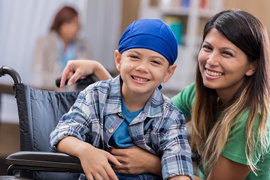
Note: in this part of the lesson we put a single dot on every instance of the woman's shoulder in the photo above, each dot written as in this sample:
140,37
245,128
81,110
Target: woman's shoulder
241,122
185,99
49,39
186,94
80,41
235,147
189,90
244,115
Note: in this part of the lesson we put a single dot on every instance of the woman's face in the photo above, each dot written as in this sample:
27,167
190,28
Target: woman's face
69,30
223,65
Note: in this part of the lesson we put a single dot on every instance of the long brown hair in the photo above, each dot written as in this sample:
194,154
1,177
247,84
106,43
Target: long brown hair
65,14
210,134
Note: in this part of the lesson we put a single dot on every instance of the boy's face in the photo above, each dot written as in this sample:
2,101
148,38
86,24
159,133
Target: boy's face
142,71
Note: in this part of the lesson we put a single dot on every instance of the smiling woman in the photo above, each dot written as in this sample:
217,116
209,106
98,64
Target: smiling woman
223,65
230,111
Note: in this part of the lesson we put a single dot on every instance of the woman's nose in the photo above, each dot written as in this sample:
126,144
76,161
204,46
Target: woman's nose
213,58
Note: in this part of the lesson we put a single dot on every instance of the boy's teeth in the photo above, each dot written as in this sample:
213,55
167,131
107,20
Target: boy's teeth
213,73
140,79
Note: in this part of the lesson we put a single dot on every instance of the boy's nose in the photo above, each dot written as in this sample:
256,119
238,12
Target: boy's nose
143,67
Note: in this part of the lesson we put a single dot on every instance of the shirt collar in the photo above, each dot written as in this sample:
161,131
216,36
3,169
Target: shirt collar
153,107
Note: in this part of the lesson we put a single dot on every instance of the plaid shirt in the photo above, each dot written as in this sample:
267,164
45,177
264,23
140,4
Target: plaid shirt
159,128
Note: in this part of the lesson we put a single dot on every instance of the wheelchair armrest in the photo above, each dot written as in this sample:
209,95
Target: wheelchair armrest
44,161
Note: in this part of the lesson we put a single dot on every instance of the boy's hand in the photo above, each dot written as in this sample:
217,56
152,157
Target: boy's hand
95,163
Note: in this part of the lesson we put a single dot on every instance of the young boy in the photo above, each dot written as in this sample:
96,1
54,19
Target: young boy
129,110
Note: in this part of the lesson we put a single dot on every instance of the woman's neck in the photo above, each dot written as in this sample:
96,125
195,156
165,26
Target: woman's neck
66,44
226,94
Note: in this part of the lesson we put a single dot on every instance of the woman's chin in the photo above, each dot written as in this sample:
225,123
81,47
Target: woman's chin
210,85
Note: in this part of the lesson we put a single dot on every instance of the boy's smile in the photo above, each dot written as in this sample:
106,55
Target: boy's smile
142,71
138,79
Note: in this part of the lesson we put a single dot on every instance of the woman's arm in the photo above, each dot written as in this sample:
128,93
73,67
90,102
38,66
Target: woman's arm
180,178
136,160
78,69
227,169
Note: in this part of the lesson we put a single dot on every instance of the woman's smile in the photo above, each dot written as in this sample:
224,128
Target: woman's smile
213,74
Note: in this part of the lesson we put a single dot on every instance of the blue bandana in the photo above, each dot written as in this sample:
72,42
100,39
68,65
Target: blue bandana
152,34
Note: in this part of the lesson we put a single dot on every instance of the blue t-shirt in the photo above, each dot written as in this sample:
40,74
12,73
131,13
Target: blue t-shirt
68,54
121,137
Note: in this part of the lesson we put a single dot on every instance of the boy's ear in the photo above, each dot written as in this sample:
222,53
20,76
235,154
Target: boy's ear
169,72
117,58
252,68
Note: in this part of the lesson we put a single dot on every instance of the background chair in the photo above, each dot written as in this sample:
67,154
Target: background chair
39,112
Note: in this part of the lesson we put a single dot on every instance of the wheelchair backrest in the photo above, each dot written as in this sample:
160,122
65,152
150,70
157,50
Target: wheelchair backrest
39,112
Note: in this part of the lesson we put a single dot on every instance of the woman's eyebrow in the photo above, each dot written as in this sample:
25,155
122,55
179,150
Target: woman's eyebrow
224,48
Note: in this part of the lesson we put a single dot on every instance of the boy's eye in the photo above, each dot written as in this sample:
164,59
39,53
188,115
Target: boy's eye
134,56
156,62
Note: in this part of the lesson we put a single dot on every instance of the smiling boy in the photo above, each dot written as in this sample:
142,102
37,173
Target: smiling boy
130,110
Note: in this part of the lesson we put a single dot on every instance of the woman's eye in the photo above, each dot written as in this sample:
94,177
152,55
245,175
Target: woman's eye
206,47
227,53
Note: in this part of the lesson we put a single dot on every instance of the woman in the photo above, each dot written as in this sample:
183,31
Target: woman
228,104
60,45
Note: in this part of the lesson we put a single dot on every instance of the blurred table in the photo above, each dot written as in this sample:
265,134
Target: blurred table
5,89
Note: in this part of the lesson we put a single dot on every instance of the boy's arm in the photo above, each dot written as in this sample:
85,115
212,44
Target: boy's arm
71,131
176,158
95,162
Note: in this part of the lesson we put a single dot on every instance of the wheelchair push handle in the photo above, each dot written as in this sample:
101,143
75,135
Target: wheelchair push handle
87,80
10,71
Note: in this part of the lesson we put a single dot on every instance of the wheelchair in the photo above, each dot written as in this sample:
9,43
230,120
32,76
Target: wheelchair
39,112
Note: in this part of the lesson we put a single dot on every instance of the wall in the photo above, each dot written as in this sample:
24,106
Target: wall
259,8
129,13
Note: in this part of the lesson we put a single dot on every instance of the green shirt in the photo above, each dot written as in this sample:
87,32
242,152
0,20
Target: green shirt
235,146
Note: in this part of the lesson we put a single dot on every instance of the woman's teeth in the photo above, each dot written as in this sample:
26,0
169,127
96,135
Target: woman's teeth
211,73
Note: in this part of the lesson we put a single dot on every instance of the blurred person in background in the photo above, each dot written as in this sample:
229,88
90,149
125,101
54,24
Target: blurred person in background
61,44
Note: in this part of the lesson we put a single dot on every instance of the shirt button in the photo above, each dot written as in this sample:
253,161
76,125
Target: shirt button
111,130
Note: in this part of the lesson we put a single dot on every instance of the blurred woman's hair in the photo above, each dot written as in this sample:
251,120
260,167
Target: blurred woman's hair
65,14
210,134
